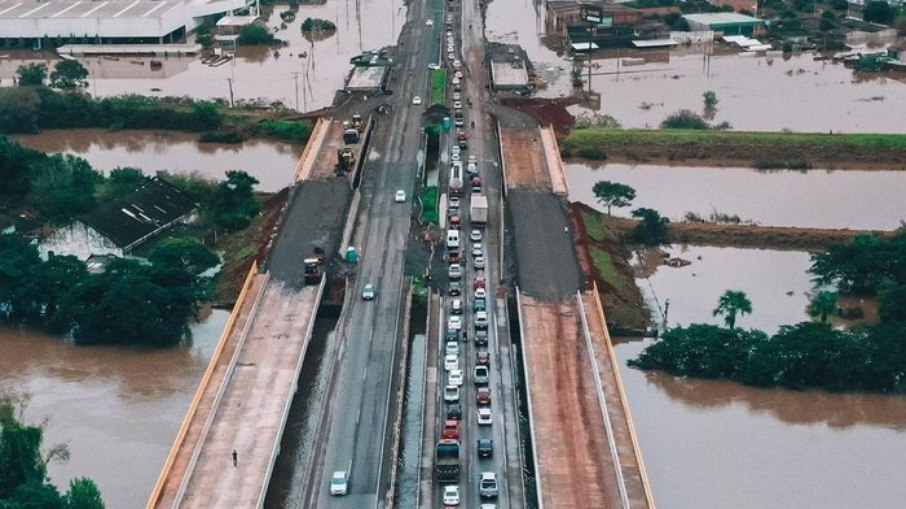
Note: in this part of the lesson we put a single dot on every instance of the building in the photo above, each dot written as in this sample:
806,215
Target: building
727,23
589,25
118,228
52,23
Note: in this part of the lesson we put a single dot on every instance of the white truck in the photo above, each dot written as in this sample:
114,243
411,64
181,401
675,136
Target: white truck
478,210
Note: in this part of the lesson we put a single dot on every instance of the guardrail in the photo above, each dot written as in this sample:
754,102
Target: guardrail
643,473
528,399
397,430
605,413
202,387
316,138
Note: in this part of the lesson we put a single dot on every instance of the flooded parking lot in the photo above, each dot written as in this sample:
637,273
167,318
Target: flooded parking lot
814,198
271,162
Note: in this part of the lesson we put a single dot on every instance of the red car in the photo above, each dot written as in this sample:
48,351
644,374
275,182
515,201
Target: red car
454,257
451,430
483,358
483,396
480,282
455,221
476,182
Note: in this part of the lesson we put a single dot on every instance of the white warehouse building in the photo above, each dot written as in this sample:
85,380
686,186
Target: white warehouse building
43,23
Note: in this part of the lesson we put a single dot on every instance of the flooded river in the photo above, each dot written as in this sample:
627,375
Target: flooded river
118,409
716,444
786,198
271,162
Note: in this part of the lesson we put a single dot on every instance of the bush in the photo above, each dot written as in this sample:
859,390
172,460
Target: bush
231,136
684,119
592,153
312,24
255,35
286,130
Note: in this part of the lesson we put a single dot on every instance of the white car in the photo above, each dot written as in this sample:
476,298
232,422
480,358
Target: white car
473,160
472,168
475,235
457,105
451,348
369,292
454,323
481,320
416,100
455,271
455,377
454,203
456,150
457,64
454,157
479,262
430,22
339,483
451,362
400,196
457,96
456,81
477,249
451,495
481,293
450,56
485,417
433,66
451,394
458,74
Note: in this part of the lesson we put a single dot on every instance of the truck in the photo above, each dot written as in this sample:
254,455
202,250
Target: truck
456,177
478,210
313,266
446,461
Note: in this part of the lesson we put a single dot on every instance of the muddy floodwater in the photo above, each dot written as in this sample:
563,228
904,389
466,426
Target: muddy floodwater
272,163
256,72
814,198
715,444
117,409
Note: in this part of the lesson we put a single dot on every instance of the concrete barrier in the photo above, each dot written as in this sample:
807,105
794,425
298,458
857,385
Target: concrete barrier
555,167
397,430
528,399
306,160
202,387
632,434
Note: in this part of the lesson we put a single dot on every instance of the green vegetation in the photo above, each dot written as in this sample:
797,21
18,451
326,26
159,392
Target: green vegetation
879,11
68,74
31,75
233,204
710,98
685,119
653,229
285,130
430,206
312,24
863,265
255,35
23,465
613,194
438,86
730,304
823,305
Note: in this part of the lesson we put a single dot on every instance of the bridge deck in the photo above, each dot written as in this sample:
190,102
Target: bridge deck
250,416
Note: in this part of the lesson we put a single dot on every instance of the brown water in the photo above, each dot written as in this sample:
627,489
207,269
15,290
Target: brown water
715,444
817,198
118,409
272,163
257,72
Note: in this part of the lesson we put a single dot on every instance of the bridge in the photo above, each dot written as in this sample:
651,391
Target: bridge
547,337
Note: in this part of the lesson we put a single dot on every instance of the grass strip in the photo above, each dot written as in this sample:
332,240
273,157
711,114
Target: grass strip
429,206
438,86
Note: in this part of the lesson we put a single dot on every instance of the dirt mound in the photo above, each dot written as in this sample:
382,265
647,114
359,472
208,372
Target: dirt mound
546,111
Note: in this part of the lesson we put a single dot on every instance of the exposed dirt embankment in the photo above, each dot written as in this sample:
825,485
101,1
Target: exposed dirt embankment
746,149
546,111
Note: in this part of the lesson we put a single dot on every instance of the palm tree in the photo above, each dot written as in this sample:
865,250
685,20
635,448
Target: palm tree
731,303
823,305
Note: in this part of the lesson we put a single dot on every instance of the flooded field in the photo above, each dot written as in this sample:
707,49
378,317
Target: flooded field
257,72
272,163
118,409
727,445
785,198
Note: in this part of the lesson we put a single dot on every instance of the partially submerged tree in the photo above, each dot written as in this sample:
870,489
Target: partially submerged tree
652,230
823,305
68,74
613,194
31,75
732,303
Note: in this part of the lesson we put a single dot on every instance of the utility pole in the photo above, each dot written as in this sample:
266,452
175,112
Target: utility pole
296,79
230,81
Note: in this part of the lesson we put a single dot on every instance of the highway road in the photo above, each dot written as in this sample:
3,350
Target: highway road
362,394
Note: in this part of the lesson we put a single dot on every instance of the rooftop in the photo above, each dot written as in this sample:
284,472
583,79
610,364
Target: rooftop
719,18
69,9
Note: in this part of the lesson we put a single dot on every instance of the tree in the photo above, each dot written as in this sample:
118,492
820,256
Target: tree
255,35
828,21
823,305
839,5
234,204
32,75
576,77
84,494
184,253
19,110
206,40
68,74
892,302
120,182
862,264
652,230
878,11
15,170
63,187
710,98
684,119
613,194
732,303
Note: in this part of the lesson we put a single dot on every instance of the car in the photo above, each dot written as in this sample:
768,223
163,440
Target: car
476,190
456,81
451,335
480,282
456,306
481,293
430,22
457,105
369,292
451,430
416,100
477,249
451,362
462,135
483,396
481,319
457,114
457,96
454,411
453,257
479,262
482,375
451,495
473,159
400,196
456,150
454,323
453,203
487,485
472,168
475,182
485,448
455,271
450,55
339,483
451,393
487,506
457,64
459,122
451,347
455,288
455,223
475,235
480,305
458,74
482,358
454,157
481,337
456,377
433,66
485,417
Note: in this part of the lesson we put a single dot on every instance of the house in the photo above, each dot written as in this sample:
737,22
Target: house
591,23
897,54
727,23
118,228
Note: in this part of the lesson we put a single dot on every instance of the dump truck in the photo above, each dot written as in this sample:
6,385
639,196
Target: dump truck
446,461
313,266
345,160
478,210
